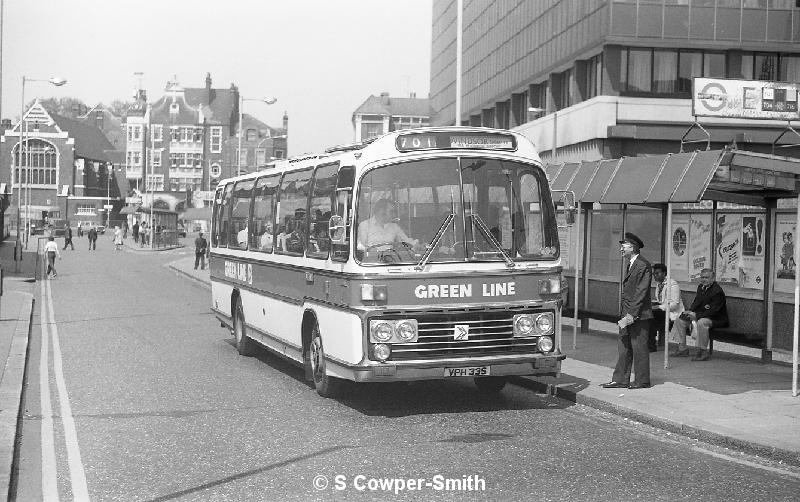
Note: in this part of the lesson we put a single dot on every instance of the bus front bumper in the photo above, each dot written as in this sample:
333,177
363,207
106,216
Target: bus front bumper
538,364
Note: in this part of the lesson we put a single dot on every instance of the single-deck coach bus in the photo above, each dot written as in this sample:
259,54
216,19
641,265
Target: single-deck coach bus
424,254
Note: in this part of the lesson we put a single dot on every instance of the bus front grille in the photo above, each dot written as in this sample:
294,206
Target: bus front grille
489,333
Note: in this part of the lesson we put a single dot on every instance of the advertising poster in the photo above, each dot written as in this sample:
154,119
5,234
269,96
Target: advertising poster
699,244
785,241
679,247
729,247
751,264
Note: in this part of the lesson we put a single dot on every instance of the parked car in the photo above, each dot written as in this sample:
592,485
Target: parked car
86,225
181,231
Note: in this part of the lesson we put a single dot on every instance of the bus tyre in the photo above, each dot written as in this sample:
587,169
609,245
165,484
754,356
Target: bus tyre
490,385
327,386
244,344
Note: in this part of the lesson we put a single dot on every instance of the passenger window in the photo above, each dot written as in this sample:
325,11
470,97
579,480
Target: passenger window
292,204
224,217
322,200
262,232
240,214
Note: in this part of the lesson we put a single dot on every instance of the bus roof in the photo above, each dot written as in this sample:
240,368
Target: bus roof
410,141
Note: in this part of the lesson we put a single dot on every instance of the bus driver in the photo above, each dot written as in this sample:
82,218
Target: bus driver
380,229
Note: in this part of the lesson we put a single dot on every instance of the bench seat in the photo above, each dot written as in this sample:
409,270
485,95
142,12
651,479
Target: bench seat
735,336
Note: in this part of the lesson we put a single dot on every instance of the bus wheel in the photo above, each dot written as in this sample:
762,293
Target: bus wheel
490,385
244,344
327,386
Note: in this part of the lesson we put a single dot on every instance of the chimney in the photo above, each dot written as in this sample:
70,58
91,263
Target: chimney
209,91
285,122
384,98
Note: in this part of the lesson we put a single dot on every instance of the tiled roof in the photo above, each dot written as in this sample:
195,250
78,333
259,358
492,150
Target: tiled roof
161,112
90,143
387,105
221,106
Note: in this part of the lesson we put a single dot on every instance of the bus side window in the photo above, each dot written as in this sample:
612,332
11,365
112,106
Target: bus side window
293,201
343,201
215,223
319,242
262,230
240,214
224,217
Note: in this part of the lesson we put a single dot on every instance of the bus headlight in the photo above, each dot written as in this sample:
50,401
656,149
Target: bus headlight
406,330
523,325
544,323
381,331
381,351
545,344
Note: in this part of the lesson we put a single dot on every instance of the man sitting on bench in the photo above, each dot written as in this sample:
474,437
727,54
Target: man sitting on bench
708,310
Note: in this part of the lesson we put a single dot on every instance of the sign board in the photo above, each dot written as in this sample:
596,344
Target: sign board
133,200
746,99
108,206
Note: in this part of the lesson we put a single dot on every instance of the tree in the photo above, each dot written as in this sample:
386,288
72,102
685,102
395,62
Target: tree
66,106
119,107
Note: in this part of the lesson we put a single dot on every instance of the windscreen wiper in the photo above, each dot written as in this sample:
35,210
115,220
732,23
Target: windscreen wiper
489,237
448,220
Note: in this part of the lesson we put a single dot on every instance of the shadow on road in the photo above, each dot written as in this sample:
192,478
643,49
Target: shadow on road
400,399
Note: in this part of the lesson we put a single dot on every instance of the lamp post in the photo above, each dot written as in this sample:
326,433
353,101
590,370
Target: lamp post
58,82
242,99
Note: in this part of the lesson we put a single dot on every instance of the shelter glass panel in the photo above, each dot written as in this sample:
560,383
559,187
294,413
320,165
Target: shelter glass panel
606,231
646,223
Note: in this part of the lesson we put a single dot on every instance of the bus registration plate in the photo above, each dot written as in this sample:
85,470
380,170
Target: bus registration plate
471,371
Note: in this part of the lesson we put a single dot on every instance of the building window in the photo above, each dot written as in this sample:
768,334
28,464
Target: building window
216,139
41,163
175,134
562,96
252,135
640,70
261,157
156,158
519,108
665,75
198,134
157,132
216,170
86,210
592,81
369,130
134,132
155,182
279,154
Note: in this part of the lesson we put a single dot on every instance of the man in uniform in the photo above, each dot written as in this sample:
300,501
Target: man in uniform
635,317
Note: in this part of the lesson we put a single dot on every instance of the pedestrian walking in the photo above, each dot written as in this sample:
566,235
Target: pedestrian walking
92,236
135,231
51,251
635,318
117,238
143,234
68,238
80,230
124,229
200,250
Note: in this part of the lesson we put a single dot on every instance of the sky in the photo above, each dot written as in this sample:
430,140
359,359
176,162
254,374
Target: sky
320,58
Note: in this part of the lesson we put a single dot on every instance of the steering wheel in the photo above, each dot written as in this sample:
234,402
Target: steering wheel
391,254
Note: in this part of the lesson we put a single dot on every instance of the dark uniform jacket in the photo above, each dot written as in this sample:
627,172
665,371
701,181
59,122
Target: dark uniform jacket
710,303
636,290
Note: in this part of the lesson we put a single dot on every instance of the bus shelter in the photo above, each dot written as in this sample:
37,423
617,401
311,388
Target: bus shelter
735,212
162,226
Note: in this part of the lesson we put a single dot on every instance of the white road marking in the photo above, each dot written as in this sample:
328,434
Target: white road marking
80,490
49,469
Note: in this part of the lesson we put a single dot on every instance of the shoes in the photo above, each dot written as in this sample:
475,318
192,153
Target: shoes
703,355
639,386
680,353
614,385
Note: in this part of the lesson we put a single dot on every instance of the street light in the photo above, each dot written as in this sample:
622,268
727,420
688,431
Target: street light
242,99
58,82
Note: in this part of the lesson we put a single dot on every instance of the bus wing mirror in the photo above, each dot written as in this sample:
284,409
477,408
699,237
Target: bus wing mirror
567,204
337,230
